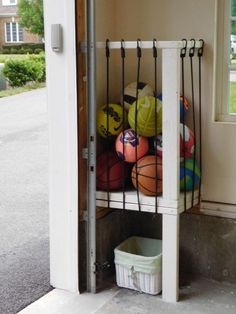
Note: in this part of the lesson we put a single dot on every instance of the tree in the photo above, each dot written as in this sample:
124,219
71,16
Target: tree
31,16
233,14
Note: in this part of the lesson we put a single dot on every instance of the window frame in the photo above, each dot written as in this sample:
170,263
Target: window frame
11,33
221,90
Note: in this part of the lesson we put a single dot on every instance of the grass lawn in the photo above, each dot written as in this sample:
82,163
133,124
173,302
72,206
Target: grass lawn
232,104
18,90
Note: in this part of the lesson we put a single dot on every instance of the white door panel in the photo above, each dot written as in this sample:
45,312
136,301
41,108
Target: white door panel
62,109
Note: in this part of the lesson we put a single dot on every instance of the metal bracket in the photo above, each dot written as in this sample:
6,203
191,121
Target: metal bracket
85,215
85,153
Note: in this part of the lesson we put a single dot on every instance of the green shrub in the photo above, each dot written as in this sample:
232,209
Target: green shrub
25,46
38,58
21,51
20,72
16,72
38,50
39,65
9,46
29,51
6,51
36,70
14,51
33,46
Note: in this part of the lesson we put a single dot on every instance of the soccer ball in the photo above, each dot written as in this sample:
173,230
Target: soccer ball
130,146
192,177
186,147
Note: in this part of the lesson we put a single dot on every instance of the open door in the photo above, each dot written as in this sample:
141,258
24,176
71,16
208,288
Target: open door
63,167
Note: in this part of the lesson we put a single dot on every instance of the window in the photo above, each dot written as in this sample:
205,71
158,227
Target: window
14,33
225,62
9,2
232,91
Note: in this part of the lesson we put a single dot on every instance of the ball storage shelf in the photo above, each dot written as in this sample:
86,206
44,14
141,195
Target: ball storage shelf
147,203
171,203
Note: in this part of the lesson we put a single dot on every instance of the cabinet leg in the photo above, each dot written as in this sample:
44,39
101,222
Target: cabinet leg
170,258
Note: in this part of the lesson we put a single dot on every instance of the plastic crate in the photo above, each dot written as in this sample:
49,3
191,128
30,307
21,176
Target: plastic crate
139,264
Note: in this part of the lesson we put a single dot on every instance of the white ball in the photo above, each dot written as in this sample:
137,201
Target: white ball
130,92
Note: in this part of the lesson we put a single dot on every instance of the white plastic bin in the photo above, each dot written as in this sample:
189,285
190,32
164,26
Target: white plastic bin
139,264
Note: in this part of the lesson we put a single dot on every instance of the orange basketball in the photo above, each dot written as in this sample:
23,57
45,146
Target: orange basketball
149,169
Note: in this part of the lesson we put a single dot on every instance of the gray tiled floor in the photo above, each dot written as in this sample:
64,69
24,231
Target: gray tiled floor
200,297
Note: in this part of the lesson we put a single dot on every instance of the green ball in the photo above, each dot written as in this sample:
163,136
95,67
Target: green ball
189,174
113,114
146,116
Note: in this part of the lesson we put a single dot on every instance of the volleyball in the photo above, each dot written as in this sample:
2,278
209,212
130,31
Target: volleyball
189,174
146,116
110,120
186,146
130,93
131,146
148,177
111,172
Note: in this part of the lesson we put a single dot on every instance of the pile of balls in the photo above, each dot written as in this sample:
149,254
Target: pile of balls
136,150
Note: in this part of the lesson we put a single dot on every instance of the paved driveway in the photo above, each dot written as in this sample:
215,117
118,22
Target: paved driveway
24,263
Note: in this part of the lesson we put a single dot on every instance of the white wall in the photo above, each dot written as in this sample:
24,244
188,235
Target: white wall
105,27
174,20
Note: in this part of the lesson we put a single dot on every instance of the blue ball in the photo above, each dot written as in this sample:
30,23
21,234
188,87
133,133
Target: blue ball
184,106
189,173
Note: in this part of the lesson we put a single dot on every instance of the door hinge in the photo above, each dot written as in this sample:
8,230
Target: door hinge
85,153
85,215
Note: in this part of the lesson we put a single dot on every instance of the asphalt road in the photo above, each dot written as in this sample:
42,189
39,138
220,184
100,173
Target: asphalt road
24,244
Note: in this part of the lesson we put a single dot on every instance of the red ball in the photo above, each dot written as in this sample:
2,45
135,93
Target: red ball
186,147
128,144
145,173
111,172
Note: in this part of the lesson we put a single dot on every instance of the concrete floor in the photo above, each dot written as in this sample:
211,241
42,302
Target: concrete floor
24,245
201,297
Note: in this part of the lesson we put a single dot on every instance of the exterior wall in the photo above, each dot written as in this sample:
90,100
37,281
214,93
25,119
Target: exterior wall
4,20
31,38
28,37
7,9
8,14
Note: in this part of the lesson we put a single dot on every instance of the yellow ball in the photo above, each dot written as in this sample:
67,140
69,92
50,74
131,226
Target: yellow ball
146,116
114,114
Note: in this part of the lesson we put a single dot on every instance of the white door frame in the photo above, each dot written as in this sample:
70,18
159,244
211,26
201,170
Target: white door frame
63,160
